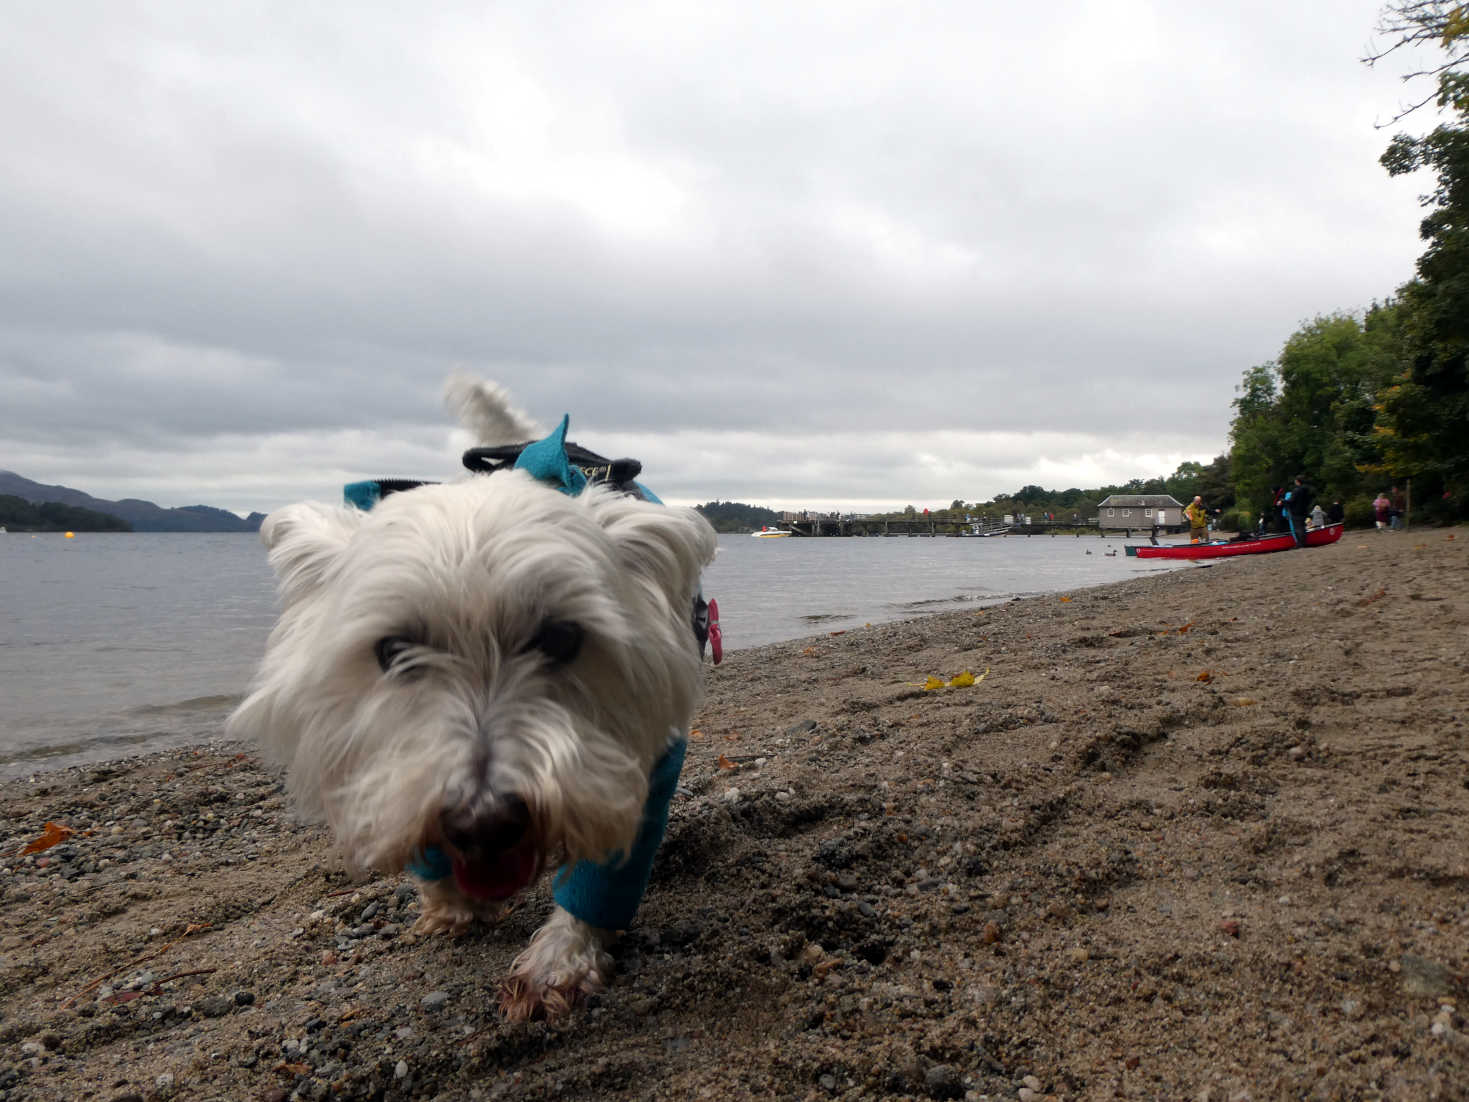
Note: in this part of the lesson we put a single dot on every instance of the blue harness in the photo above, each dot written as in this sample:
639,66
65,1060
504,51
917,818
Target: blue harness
604,894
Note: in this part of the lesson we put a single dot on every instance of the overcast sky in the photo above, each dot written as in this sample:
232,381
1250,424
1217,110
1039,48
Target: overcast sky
805,255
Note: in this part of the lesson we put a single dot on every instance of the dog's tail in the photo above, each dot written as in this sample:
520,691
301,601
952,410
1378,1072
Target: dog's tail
484,409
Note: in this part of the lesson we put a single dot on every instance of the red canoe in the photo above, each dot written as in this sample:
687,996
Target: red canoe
1316,537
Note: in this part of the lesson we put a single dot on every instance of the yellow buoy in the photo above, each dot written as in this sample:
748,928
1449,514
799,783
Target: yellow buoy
71,535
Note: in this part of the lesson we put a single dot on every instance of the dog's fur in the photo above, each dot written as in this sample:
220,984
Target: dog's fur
413,694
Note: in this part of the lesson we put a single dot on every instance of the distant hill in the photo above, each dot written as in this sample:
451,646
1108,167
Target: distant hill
144,516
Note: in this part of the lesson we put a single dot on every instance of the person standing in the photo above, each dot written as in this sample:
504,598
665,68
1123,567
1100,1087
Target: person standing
1382,510
1298,501
1198,521
1336,514
1399,508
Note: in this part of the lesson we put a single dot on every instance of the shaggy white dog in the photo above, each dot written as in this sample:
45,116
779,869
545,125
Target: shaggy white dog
475,680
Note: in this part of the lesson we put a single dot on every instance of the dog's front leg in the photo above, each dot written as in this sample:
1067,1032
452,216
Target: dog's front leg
566,961
444,908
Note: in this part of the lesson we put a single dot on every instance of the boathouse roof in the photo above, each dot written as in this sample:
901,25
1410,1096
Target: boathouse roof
1141,501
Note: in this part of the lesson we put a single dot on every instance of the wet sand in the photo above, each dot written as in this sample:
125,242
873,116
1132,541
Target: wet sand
1198,835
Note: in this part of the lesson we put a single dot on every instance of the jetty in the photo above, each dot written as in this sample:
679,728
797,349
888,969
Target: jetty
929,527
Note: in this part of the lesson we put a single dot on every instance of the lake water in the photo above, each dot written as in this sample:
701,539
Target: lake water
117,644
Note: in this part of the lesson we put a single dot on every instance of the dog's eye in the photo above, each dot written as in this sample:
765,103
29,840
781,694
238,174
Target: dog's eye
558,640
390,649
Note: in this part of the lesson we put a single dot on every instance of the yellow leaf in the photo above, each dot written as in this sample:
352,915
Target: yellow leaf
961,680
931,684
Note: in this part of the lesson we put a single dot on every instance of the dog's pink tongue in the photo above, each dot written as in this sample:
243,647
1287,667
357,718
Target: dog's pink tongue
497,879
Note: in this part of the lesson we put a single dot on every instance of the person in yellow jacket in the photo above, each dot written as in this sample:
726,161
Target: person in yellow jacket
1198,521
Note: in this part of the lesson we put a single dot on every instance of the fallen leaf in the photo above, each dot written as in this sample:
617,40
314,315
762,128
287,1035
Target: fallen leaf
196,928
932,683
725,763
1065,599
696,733
809,652
842,632
1205,677
52,834
1244,702
961,680
1184,630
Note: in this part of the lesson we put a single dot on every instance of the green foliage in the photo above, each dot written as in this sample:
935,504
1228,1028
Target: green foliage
731,516
19,515
1423,411
1312,411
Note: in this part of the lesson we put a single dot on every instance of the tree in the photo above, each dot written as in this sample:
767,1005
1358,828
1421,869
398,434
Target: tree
1422,412
1413,23
1313,410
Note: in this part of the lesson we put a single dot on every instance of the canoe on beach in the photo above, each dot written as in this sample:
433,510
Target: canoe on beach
1316,537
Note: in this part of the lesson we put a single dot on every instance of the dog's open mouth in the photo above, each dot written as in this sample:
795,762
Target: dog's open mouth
500,876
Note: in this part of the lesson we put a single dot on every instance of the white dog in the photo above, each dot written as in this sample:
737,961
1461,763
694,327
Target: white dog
479,679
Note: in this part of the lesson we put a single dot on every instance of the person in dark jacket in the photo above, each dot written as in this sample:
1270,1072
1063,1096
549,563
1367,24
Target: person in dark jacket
1297,507
1335,514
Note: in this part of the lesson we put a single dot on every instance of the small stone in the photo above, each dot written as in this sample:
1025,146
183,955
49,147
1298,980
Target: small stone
401,1070
991,933
1032,1082
164,1082
214,1006
1026,1094
1297,753
244,998
828,1083
942,1081
370,911
1079,955
731,795
1424,977
1230,927
435,1000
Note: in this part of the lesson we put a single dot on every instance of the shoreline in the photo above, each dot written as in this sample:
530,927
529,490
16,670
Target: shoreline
1190,833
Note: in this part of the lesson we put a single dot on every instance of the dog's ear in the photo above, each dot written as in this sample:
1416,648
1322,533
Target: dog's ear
665,545
304,540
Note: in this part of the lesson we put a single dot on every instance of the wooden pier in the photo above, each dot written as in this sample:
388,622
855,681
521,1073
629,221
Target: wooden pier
929,527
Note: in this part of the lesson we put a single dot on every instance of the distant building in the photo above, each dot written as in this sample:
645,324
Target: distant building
1124,511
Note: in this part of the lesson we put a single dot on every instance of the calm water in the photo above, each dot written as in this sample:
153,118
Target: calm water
113,644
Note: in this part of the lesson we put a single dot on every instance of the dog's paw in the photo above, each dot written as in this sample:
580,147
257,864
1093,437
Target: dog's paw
444,909
565,963
439,918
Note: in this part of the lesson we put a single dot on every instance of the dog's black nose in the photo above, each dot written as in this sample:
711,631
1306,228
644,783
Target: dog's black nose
484,830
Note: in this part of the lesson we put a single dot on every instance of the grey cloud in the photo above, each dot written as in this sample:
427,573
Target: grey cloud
814,225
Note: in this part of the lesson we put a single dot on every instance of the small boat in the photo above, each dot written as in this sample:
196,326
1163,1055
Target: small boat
1220,549
770,534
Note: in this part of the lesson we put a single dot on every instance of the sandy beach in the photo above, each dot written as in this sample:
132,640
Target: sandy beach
1199,835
